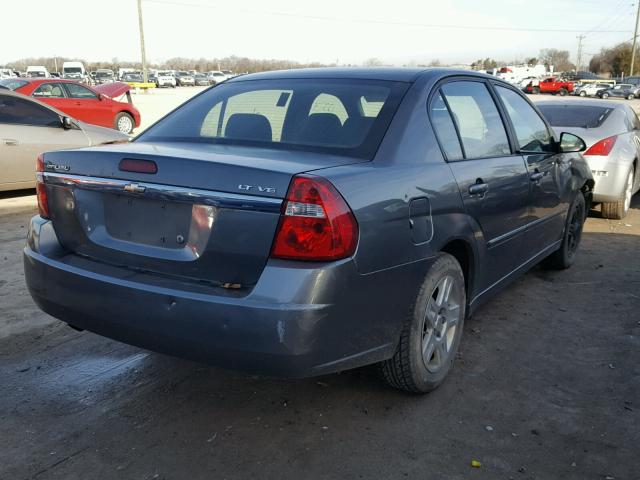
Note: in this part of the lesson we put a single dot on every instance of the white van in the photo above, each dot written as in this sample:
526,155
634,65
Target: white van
75,71
37,71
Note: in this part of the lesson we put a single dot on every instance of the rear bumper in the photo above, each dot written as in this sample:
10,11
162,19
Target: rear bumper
609,186
299,320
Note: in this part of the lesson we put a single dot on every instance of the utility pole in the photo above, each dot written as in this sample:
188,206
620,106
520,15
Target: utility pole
144,55
579,59
635,37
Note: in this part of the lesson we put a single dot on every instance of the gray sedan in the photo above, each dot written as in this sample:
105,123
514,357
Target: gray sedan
304,222
611,131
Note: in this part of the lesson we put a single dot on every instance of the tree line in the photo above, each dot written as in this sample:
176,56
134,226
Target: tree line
233,63
614,61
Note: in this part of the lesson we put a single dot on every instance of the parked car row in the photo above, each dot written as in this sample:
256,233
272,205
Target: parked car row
94,105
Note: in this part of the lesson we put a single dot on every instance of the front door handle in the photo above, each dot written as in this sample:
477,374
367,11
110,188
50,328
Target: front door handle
10,142
536,176
479,189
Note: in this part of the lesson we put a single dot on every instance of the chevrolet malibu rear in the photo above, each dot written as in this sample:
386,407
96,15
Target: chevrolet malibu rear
291,223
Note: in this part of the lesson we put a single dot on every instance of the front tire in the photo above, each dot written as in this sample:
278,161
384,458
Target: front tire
583,93
564,257
535,90
431,334
618,210
605,95
124,123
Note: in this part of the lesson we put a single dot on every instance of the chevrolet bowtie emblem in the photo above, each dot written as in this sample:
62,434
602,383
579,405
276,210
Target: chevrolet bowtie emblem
134,188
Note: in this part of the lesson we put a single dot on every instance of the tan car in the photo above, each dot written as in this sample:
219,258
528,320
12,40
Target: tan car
29,127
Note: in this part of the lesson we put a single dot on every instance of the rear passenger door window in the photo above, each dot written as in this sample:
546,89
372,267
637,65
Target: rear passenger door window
477,118
78,91
530,130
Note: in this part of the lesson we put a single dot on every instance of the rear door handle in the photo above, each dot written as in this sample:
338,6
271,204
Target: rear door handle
536,176
10,142
478,189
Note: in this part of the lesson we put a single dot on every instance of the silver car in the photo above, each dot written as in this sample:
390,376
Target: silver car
611,131
29,128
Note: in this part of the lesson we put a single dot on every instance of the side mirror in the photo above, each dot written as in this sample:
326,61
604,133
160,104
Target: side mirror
100,96
571,143
68,123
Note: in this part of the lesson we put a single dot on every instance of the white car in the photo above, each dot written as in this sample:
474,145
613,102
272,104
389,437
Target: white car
165,79
590,89
216,77
29,128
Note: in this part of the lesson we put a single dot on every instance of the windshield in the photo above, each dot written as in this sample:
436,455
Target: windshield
579,116
12,83
72,70
346,117
104,74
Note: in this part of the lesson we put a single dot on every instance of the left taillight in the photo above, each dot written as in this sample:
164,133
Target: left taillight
41,189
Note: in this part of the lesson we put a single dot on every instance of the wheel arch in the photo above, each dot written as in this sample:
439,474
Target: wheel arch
130,113
463,252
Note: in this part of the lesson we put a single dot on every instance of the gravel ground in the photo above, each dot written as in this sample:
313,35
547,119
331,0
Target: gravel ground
547,386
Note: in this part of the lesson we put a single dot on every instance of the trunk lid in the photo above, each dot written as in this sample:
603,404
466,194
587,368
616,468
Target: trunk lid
208,214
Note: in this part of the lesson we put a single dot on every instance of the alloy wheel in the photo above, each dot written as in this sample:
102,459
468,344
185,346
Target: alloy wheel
441,320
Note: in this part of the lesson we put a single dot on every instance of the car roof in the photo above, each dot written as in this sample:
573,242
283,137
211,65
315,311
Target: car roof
397,74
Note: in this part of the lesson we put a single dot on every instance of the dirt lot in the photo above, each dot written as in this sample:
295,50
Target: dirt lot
547,386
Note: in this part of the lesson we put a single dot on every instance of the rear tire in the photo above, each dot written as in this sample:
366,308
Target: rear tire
618,210
535,90
630,96
564,257
583,93
124,123
431,334
562,92
605,95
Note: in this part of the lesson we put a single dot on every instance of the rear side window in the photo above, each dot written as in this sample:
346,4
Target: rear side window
24,112
530,129
445,129
476,116
345,117
49,90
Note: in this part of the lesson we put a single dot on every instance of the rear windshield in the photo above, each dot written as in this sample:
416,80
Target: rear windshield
12,83
346,117
580,116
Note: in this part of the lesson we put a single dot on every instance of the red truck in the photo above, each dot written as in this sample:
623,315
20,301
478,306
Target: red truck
550,85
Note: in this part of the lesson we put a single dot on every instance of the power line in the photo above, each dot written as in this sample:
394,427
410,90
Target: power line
377,22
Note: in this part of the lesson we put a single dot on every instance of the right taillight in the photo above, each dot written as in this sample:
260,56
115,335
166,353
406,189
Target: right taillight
316,224
603,147
41,189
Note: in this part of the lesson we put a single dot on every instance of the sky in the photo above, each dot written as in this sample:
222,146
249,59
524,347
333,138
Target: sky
396,32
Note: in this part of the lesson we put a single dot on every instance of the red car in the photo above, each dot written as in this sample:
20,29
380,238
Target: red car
91,105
